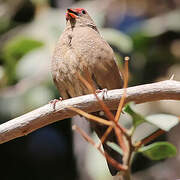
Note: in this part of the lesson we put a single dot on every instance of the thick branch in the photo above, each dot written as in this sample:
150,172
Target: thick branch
45,115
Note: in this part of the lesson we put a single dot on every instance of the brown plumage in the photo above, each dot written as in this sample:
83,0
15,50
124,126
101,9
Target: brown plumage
81,47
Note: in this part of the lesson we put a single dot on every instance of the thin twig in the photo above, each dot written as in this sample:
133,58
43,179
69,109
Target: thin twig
112,161
89,84
149,138
92,117
120,140
125,77
118,113
84,135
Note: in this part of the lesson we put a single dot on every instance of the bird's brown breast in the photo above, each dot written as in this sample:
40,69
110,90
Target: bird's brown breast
80,49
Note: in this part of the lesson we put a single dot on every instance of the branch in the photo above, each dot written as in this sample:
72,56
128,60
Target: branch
45,115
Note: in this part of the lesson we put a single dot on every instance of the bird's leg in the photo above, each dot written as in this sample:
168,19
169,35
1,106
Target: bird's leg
54,101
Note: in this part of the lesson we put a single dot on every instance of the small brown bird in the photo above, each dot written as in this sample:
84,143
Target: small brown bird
81,47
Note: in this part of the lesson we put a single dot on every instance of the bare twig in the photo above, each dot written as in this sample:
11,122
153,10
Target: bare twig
109,159
85,136
89,84
119,110
92,117
125,77
149,138
45,115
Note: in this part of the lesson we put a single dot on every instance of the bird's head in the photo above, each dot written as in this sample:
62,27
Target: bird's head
76,13
78,16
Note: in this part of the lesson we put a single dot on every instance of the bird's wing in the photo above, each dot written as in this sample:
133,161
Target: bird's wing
94,52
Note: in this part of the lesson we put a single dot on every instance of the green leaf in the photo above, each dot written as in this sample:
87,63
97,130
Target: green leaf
137,118
19,46
143,131
158,150
115,147
13,51
163,121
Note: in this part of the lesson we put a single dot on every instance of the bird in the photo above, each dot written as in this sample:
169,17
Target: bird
80,48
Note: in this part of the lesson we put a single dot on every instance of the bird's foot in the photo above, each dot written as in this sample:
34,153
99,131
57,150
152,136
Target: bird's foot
103,91
54,101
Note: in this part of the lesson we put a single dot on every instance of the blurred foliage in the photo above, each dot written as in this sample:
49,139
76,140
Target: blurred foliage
151,56
13,51
148,32
118,39
4,24
153,52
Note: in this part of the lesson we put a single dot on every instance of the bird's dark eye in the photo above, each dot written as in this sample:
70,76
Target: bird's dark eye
83,11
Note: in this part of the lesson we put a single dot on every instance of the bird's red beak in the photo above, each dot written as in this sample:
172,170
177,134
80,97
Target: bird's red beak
71,13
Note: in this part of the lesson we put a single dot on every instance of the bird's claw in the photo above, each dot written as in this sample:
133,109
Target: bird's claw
54,101
103,91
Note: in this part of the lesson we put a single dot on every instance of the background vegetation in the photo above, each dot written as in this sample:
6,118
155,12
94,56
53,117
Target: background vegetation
148,31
